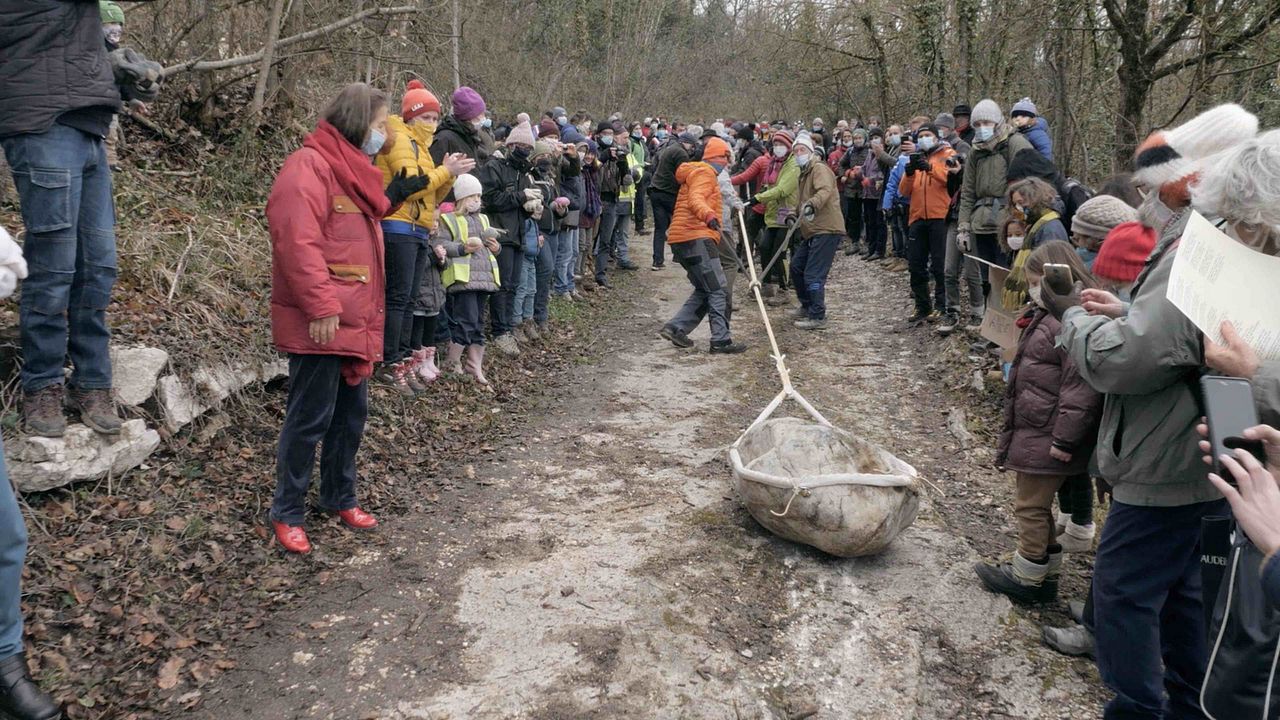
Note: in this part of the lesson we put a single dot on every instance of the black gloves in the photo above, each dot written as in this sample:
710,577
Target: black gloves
402,187
1056,304
137,77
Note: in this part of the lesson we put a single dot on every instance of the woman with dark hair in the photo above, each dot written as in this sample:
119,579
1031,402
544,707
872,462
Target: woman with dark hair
328,304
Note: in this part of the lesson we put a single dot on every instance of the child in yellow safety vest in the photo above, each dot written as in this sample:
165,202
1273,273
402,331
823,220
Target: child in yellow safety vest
471,275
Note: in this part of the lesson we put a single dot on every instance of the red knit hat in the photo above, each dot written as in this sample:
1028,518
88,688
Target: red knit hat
785,137
1124,252
417,101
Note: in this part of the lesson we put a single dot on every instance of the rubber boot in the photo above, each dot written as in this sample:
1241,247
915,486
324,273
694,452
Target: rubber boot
1022,580
453,359
427,369
475,363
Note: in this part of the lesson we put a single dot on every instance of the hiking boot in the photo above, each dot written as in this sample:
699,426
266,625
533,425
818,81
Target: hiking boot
576,295
975,323
1075,641
919,317
811,324
935,316
544,330
1021,580
767,290
727,347
97,410
531,331
506,344
676,337
628,266
453,358
1077,538
873,257
853,249
394,376
603,284
948,325
20,696
475,364
518,333
800,313
412,379
656,268
777,300
42,412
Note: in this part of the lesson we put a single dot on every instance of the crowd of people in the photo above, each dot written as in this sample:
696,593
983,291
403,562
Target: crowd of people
405,244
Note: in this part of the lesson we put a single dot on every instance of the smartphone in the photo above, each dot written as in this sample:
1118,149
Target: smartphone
1230,410
1059,278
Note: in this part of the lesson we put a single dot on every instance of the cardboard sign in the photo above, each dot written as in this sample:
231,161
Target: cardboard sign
999,325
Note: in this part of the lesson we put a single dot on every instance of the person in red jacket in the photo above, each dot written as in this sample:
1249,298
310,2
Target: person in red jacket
328,303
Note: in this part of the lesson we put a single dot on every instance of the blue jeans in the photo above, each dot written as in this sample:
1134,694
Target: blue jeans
613,236
1148,611
13,553
525,292
809,269
544,266
65,187
565,249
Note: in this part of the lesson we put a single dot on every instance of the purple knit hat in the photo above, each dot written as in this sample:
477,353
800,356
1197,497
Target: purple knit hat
467,103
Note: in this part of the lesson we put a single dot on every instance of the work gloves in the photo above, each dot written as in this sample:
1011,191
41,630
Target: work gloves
964,241
137,77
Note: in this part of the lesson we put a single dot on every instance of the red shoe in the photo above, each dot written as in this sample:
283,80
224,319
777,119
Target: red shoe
292,537
357,519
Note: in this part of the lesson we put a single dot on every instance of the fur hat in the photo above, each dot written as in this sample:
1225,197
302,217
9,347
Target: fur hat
465,186
1024,107
467,104
987,110
1098,215
1168,157
522,134
1124,251
417,101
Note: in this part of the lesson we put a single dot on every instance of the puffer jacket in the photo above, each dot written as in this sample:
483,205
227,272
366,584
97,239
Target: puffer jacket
872,178
503,181
817,186
983,187
1037,133
780,180
697,204
928,189
410,154
1046,404
1148,364
483,266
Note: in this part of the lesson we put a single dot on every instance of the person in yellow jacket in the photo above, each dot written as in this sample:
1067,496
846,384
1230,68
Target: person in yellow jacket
407,351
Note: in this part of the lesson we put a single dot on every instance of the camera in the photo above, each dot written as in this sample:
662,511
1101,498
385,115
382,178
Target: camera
918,161
954,161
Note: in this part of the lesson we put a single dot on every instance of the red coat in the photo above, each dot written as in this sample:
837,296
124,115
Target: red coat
326,250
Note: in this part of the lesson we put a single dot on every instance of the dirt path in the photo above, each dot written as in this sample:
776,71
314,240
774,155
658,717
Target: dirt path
602,567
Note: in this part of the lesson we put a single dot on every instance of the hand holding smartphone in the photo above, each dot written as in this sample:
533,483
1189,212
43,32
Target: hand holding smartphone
1229,411
1059,278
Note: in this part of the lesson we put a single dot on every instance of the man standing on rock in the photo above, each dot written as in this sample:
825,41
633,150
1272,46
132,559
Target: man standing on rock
693,236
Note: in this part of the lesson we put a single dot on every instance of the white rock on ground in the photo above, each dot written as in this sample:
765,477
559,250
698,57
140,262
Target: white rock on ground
181,403
40,463
135,370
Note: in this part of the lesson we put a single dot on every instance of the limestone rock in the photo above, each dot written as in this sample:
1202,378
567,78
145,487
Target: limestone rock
39,463
135,371
180,402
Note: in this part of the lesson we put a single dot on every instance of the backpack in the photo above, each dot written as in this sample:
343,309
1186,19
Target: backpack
1074,194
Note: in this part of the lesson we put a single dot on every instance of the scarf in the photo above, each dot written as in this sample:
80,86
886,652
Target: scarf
359,179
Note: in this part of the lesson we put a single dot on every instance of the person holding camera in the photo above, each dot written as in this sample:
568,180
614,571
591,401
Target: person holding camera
616,181
924,181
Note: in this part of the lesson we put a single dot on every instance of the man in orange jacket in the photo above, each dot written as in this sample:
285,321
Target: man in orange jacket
693,237
925,182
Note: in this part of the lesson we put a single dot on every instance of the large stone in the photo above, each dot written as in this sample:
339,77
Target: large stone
855,499
180,402
40,463
134,372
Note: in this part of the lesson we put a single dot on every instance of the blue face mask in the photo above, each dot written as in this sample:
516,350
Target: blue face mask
606,140
486,123
374,142
717,166
803,160
926,143
662,134
983,134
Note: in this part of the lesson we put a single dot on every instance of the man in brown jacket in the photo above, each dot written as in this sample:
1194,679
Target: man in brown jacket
821,229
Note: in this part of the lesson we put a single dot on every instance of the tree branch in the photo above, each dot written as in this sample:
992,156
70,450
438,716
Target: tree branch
1172,35
1227,47
205,66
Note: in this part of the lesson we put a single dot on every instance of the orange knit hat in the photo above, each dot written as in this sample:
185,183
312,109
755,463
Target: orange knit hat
417,101
715,149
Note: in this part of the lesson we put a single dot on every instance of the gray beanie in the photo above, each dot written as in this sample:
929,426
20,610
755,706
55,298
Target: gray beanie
1098,215
946,120
1024,107
986,111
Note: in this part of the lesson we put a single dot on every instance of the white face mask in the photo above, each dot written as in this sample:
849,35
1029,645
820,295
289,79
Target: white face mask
1262,238
779,151
471,205
1034,292
1153,213
803,159
1015,242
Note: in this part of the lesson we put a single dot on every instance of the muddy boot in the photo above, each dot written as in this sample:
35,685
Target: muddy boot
475,363
1022,579
393,376
20,697
1075,641
531,330
411,377
453,358
506,344
97,410
42,412
1077,538
426,358
677,338
518,333
544,330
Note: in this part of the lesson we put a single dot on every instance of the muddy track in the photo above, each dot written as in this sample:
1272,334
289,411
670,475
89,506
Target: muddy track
598,564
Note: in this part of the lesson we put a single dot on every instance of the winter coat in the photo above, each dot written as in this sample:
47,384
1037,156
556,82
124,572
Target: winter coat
928,190
697,204
664,174
482,266
1037,133
1046,404
816,186
326,248
892,198
752,176
833,160
853,160
728,199
1148,363
503,181
748,155
591,205
983,188
410,154
872,178
779,198
613,170
52,59
1043,230
458,136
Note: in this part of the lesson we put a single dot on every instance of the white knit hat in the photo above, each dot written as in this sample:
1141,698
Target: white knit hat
465,186
522,134
804,139
1167,156
986,110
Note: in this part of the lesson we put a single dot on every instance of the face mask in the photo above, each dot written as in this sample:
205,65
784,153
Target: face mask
637,135
471,205
561,120
817,129
1034,292
477,123
926,143
428,125
374,142
486,123
606,140
1015,242
803,160
895,140
1026,211
113,32
1262,238
544,165
662,134
983,134
779,151
859,143
1153,213
521,153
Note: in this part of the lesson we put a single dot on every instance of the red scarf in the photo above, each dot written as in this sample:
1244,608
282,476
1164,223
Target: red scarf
359,179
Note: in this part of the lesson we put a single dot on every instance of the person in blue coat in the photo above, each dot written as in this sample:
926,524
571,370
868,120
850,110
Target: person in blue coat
1035,128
